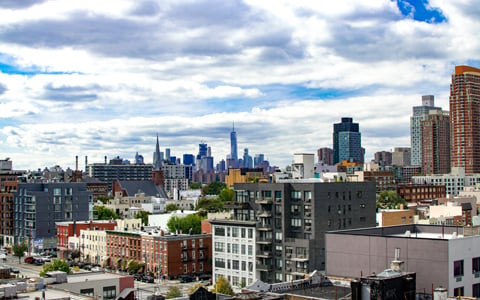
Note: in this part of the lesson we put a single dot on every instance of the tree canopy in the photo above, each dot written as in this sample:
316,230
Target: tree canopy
390,200
172,207
184,224
195,185
213,188
19,250
144,216
210,204
222,286
104,213
56,265
226,195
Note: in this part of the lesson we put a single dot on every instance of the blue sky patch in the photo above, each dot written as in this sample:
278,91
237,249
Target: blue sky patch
420,10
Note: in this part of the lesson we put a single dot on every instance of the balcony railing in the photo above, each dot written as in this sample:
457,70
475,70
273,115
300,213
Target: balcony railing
262,267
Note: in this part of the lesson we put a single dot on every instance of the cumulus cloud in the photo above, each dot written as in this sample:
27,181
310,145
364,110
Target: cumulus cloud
284,71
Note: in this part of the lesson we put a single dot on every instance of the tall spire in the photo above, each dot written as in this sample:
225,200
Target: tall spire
157,160
233,128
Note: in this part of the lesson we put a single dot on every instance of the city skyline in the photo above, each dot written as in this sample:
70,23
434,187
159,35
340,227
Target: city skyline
95,79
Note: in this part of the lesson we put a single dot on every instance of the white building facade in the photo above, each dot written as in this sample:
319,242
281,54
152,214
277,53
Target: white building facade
233,254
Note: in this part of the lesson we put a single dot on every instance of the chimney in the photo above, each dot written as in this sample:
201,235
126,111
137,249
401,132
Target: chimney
105,159
86,163
76,162
397,264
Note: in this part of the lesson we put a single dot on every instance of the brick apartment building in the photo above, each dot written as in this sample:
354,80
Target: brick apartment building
164,254
418,192
73,228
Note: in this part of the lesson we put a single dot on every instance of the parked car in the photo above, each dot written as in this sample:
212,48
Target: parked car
96,269
38,261
29,259
185,278
14,270
148,278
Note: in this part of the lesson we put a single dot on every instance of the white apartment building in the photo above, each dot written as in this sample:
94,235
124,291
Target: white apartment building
454,182
93,246
233,253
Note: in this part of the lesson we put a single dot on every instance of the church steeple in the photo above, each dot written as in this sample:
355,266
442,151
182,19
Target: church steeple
157,159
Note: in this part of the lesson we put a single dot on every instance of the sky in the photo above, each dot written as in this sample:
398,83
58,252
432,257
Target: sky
104,78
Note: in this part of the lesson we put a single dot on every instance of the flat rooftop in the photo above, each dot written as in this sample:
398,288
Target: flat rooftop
413,231
82,277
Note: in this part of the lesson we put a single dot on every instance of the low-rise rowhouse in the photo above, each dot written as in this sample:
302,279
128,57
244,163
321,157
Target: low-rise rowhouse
441,256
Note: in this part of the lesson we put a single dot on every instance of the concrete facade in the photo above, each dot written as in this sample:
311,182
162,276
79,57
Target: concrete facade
427,250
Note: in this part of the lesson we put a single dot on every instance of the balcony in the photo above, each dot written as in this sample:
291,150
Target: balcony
308,214
308,228
264,201
264,254
265,214
264,227
234,204
264,241
301,258
262,267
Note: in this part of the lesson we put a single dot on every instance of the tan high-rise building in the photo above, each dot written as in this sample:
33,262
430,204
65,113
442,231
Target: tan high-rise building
465,119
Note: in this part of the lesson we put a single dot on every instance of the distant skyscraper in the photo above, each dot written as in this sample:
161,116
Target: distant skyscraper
189,159
258,160
347,142
167,154
247,159
436,143
233,144
465,119
383,158
401,156
325,155
419,113
138,159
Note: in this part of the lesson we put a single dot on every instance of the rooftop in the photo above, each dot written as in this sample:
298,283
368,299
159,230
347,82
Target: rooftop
412,231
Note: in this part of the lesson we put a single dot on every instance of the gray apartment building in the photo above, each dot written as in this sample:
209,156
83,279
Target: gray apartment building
290,220
109,172
38,206
441,256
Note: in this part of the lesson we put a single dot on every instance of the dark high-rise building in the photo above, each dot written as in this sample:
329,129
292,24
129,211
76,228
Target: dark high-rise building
347,142
436,143
39,205
282,226
247,159
465,119
325,155
258,160
233,144
189,159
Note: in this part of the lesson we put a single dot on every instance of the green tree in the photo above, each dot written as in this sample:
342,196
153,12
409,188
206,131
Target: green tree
213,188
195,185
390,200
210,204
56,265
172,207
133,266
19,250
173,292
226,195
75,254
186,223
222,286
144,216
104,213
103,199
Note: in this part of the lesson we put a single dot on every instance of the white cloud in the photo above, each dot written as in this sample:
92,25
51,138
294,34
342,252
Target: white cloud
102,78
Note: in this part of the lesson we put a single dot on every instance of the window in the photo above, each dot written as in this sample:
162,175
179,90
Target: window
219,263
220,231
109,292
219,246
250,233
250,250
458,291
475,264
234,232
244,265
235,264
296,195
476,290
243,249
87,292
458,268
235,248
242,232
